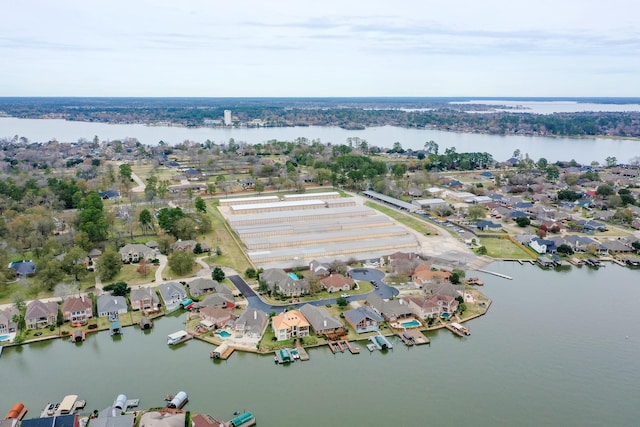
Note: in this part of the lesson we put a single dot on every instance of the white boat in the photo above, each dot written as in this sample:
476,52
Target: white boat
177,337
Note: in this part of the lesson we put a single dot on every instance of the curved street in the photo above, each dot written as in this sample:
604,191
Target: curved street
363,274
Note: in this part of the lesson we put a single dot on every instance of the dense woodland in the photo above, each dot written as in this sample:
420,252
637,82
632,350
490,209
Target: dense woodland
347,113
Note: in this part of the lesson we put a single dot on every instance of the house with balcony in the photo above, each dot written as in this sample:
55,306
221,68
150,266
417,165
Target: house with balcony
7,325
251,323
363,319
134,252
144,298
111,306
432,306
77,309
278,281
322,323
172,293
40,314
290,324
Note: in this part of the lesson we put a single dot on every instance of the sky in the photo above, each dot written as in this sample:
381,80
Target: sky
327,48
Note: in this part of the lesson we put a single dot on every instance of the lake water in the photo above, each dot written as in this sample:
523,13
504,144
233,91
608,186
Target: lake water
550,107
583,150
556,348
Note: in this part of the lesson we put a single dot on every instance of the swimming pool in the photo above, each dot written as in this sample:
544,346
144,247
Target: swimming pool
411,324
445,315
294,276
223,334
5,337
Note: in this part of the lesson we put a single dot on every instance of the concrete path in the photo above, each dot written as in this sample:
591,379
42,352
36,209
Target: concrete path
141,185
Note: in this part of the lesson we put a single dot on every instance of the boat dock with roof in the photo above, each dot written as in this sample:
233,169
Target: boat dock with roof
178,337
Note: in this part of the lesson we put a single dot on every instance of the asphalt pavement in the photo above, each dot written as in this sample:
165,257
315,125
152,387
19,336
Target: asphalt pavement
362,274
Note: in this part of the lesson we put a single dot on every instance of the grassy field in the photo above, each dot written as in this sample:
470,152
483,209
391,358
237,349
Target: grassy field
504,249
408,220
222,237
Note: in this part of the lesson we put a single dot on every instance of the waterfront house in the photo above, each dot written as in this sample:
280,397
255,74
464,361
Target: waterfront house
391,310
204,420
251,323
172,294
134,252
363,319
217,316
542,246
40,314
432,306
7,325
278,281
77,309
290,324
218,300
111,305
158,419
69,420
322,323
144,298
337,283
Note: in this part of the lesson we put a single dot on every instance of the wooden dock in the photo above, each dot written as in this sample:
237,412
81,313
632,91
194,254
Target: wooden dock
341,346
460,330
352,349
304,356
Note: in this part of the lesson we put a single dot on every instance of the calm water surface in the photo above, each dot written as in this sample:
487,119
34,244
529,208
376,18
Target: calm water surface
554,349
584,150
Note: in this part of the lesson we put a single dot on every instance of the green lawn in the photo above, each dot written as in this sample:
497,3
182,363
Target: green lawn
405,219
504,249
129,275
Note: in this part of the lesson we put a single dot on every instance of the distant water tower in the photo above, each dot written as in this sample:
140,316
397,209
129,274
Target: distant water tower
227,117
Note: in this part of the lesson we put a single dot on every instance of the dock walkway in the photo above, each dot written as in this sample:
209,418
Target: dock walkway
504,276
304,356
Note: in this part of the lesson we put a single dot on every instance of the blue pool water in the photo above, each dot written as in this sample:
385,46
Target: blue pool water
412,324
223,334
294,276
4,337
445,315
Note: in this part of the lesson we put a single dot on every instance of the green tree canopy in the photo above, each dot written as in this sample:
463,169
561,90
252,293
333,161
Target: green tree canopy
181,262
200,205
91,218
108,265
218,274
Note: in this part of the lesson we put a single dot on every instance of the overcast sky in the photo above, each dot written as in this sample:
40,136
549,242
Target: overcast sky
320,48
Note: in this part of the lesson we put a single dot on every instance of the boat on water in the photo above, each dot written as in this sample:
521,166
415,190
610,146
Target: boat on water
460,329
178,337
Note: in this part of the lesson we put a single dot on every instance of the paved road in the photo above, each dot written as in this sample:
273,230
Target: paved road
364,274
